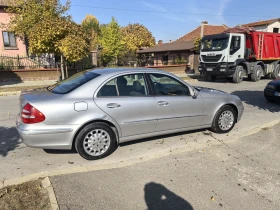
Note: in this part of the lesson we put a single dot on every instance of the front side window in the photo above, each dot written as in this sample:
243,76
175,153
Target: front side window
235,44
168,86
9,39
126,85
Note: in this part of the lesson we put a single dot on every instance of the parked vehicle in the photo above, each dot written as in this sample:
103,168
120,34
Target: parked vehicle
95,110
239,53
272,91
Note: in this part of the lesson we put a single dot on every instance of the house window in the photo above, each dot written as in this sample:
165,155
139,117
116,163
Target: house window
9,39
275,30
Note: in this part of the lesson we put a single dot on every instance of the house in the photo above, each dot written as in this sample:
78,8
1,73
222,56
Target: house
180,52
272,25
9,43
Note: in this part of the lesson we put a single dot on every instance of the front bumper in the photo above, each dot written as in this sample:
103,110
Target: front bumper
46,136
270,94
240,113
217,69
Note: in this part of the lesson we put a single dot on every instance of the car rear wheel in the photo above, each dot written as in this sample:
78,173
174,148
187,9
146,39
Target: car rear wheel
224,120
96,141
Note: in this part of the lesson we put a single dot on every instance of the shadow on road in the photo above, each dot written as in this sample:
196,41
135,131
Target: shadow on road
160,137
257,99
159,197
9,140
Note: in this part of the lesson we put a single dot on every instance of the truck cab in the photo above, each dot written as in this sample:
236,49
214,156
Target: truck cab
240,52
219,53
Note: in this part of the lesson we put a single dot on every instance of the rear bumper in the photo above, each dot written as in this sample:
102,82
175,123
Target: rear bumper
49,137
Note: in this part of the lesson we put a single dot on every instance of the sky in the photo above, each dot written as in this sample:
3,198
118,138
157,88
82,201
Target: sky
171,19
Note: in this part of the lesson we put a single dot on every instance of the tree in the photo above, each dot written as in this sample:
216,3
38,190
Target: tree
111,42
91,27
136,36
48,28
197,43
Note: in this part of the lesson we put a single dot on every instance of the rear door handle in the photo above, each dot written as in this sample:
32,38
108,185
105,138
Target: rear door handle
162,103
113,105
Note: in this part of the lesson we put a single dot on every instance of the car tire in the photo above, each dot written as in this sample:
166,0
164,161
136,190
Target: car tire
268,99
257,74
238,74
276,72
101,145
224,120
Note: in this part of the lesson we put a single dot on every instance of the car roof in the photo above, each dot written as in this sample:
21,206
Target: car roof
124,70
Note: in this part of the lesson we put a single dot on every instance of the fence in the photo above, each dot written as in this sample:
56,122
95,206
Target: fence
14,62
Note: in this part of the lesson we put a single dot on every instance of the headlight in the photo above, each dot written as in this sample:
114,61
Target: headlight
222,69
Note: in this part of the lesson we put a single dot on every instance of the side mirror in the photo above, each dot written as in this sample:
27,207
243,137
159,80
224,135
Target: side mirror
194,93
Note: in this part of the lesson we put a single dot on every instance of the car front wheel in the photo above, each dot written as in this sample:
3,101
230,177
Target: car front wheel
224,120
95,141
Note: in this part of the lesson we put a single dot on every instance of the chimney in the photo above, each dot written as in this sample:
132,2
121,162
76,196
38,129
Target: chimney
202,27
160,42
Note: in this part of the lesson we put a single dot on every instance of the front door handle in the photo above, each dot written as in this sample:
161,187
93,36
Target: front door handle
162,103
113,105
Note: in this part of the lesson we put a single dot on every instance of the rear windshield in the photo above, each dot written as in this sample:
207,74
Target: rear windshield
70,84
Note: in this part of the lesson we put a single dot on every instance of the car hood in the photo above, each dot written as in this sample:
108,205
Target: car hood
212,93
275,82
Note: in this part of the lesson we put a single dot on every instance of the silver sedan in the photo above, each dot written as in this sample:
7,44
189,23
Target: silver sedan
93,111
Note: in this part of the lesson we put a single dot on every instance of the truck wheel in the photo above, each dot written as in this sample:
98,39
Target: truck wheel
238,74
257,74
276,72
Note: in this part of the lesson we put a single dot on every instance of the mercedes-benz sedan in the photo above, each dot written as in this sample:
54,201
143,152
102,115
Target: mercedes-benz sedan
93,111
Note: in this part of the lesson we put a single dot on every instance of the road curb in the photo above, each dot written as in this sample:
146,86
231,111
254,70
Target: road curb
46,183
9,93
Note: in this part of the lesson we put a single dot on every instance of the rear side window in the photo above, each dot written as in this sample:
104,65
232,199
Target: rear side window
125,85
70,84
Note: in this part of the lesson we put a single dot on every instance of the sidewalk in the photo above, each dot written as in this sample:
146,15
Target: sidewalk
13,88
231,175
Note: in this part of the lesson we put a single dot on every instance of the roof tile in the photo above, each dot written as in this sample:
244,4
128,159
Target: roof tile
260,23
208,30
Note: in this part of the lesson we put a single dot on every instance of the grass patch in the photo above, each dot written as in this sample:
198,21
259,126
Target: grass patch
28,195
13,89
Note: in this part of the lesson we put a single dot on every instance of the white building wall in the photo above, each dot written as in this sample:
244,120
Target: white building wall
268,28
273,25
261,28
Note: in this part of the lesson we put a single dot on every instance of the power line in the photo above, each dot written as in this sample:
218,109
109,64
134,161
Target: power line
162,12
180,5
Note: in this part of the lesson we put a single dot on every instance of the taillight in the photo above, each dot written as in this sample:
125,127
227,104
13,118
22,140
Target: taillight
30,115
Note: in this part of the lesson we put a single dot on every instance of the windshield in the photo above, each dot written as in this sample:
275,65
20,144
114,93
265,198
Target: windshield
70,84
214,44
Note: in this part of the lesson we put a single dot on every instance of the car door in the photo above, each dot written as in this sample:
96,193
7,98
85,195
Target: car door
176,108
127,100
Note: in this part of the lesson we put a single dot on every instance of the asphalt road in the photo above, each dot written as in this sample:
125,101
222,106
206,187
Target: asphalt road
18,160
239,174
